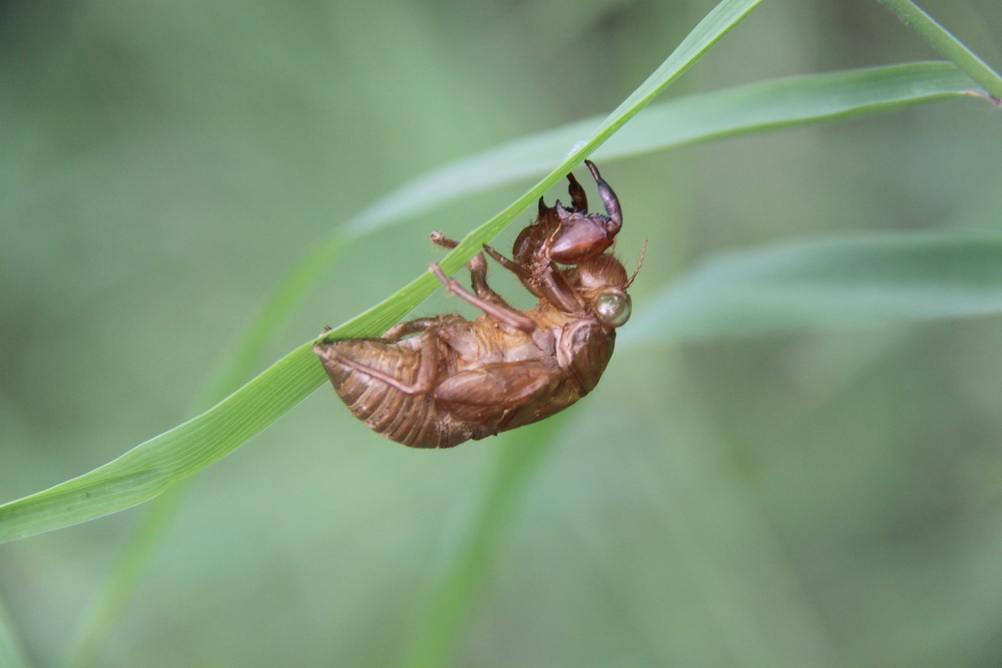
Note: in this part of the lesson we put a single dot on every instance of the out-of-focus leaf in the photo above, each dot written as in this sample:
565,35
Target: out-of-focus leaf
145,471
943,41
757,107
833,283
11,653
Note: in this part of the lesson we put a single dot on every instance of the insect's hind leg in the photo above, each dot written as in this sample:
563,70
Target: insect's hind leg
423,380
420,325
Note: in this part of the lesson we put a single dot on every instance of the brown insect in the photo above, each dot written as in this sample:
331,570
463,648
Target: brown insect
436,382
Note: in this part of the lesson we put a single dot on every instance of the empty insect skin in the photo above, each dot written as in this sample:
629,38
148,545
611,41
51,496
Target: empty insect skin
566,236
439,381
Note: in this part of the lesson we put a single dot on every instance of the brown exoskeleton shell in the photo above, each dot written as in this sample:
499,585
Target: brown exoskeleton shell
570,235
566,236
436,382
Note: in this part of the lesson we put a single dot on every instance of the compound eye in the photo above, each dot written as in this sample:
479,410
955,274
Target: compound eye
613,307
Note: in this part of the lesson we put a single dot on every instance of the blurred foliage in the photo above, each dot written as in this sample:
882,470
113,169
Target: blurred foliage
811,499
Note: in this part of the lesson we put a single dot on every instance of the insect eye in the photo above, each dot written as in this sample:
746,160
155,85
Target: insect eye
613,307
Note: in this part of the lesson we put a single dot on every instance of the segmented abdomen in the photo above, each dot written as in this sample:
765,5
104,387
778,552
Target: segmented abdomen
412,419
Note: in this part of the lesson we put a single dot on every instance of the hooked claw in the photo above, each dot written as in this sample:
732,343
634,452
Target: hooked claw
609,199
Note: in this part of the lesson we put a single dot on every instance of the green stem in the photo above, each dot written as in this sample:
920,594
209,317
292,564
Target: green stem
12,654
943,41
436,638
98,625
99,622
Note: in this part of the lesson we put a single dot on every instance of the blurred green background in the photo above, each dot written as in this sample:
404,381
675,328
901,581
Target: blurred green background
811,499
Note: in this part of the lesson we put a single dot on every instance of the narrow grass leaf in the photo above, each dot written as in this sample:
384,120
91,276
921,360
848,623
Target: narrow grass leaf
146,470
757,107
12,655
433,639
943,41
832,283
787,102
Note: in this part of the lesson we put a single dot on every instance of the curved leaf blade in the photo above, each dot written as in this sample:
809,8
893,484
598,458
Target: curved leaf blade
944,41
757,107
832,283
786,103
12,653
146,470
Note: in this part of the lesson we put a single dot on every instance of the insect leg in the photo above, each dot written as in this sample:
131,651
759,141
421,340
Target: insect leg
503,312
550,282
555,288
609,199
478,271
441,240
425,374
510,265
402,329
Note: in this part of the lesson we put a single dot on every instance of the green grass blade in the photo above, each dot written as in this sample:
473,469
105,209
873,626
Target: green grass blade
434,637
757,107
100,620
721,20
233,370
787,102
724,17
146,470
834,283
717,23
12,655
943,41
